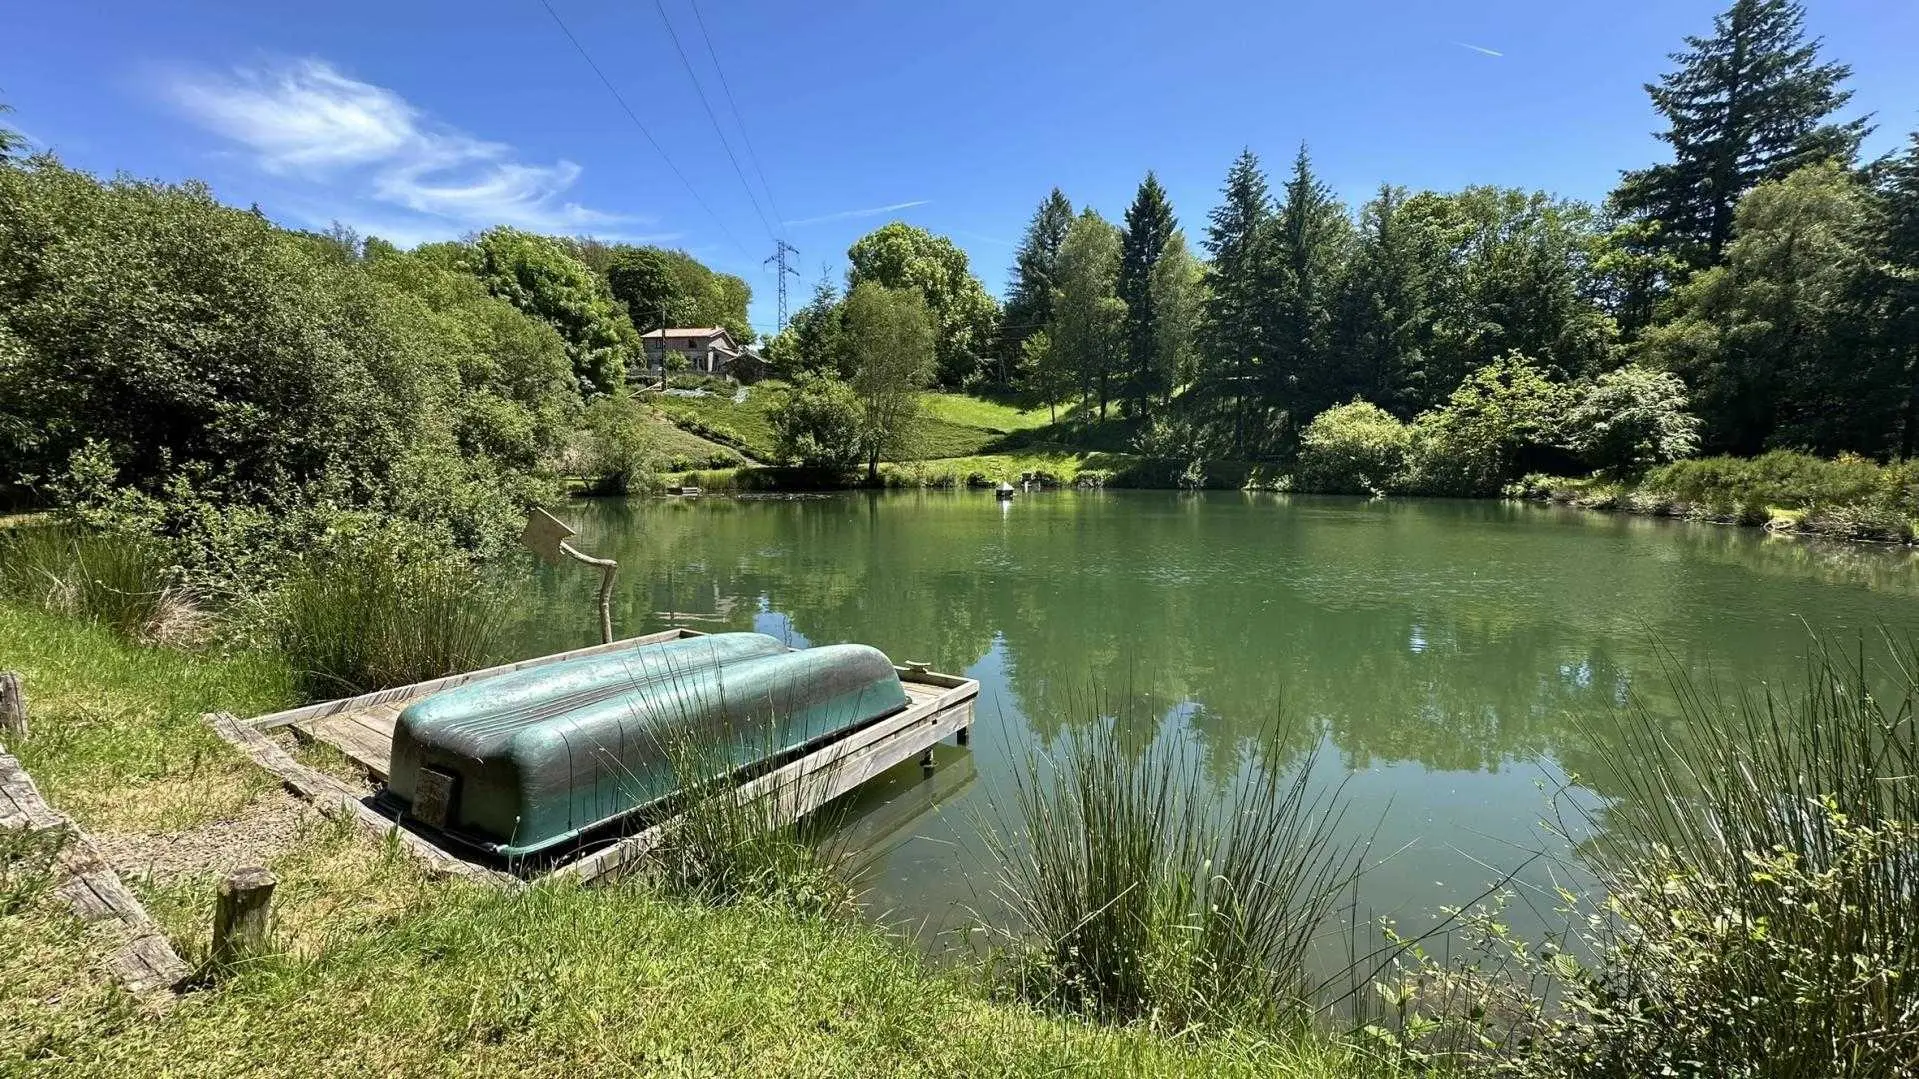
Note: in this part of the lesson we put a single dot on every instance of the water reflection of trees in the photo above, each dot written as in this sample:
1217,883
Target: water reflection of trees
1459,635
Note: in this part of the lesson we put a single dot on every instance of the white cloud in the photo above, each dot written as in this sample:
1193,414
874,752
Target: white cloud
307,123
868,211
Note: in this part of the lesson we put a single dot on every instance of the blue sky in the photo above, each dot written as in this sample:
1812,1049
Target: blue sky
422,119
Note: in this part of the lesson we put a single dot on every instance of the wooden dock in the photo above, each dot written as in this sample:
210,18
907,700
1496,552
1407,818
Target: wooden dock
938,706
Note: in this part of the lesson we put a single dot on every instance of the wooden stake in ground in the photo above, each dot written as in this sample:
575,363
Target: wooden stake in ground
13,706
240,917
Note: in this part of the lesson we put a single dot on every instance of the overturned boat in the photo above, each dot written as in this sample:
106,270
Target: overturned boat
571,762
519,764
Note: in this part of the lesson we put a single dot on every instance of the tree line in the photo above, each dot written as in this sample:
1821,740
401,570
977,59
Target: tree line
174,367
1765,270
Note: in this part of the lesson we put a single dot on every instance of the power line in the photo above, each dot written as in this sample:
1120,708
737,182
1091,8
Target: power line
740,121
631,115
714,119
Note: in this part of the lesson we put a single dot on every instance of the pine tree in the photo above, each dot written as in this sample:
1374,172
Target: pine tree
1035,274
1313,237
1385,323
1750,103
1234,329
1149,224
1897,287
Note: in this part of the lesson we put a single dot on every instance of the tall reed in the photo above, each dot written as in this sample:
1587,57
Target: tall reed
121,581
1758,912
1145,892
726,844
372,619
1764,863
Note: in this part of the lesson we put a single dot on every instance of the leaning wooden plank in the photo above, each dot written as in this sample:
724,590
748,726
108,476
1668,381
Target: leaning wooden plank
816,778
142,960
335,799
147,963
400,693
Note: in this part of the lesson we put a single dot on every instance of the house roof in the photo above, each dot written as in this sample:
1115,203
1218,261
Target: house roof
678,332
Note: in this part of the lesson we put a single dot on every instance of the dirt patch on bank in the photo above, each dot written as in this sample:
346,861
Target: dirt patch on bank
265,828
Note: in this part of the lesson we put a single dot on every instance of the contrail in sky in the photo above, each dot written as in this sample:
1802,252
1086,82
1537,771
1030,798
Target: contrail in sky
868,211
1479,49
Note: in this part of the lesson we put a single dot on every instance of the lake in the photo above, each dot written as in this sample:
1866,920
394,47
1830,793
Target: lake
1454,662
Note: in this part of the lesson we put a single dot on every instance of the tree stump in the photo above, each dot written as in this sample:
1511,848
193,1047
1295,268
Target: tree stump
240,917
13,706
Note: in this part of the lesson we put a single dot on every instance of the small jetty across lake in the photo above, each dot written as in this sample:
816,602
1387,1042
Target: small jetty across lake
795,779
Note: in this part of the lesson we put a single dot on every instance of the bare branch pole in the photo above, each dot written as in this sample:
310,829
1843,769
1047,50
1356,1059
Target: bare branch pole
546,535
13,706
241,915
608,567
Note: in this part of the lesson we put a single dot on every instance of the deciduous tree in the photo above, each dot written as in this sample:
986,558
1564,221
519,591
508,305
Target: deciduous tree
891,342
1089,319
901,256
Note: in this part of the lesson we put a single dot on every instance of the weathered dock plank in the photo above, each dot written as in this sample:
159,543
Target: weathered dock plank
336,799
141,959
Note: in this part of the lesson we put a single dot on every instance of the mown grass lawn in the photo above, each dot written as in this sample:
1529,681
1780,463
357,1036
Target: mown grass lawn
953,425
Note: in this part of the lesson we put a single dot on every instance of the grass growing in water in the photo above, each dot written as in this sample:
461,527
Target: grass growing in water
1146,894
1760,872
380,618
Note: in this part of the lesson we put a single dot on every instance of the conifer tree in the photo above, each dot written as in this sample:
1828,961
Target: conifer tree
1747,104
1385,322
1149,224
1313,237
1896,317
1035,274
1235,325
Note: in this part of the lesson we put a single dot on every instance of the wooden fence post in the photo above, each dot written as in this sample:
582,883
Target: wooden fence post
240,917
13,706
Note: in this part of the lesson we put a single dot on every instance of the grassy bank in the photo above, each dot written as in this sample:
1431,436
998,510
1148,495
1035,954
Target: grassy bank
1847,498
1048,466
379,971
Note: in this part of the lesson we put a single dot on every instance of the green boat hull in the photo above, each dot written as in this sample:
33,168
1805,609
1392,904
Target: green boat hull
523,767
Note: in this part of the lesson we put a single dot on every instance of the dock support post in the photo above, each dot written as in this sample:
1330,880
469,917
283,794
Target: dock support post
13,706
240,916
964,736
926,761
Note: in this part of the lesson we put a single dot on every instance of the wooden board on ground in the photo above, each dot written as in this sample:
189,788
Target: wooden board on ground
938,705
141,959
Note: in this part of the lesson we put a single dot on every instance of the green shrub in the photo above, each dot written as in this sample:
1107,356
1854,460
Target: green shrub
1758,868
1473,446
1631,419
614,451
1355,448
369,613
191,370
818,425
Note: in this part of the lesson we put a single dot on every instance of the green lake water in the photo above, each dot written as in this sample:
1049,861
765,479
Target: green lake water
1447,659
